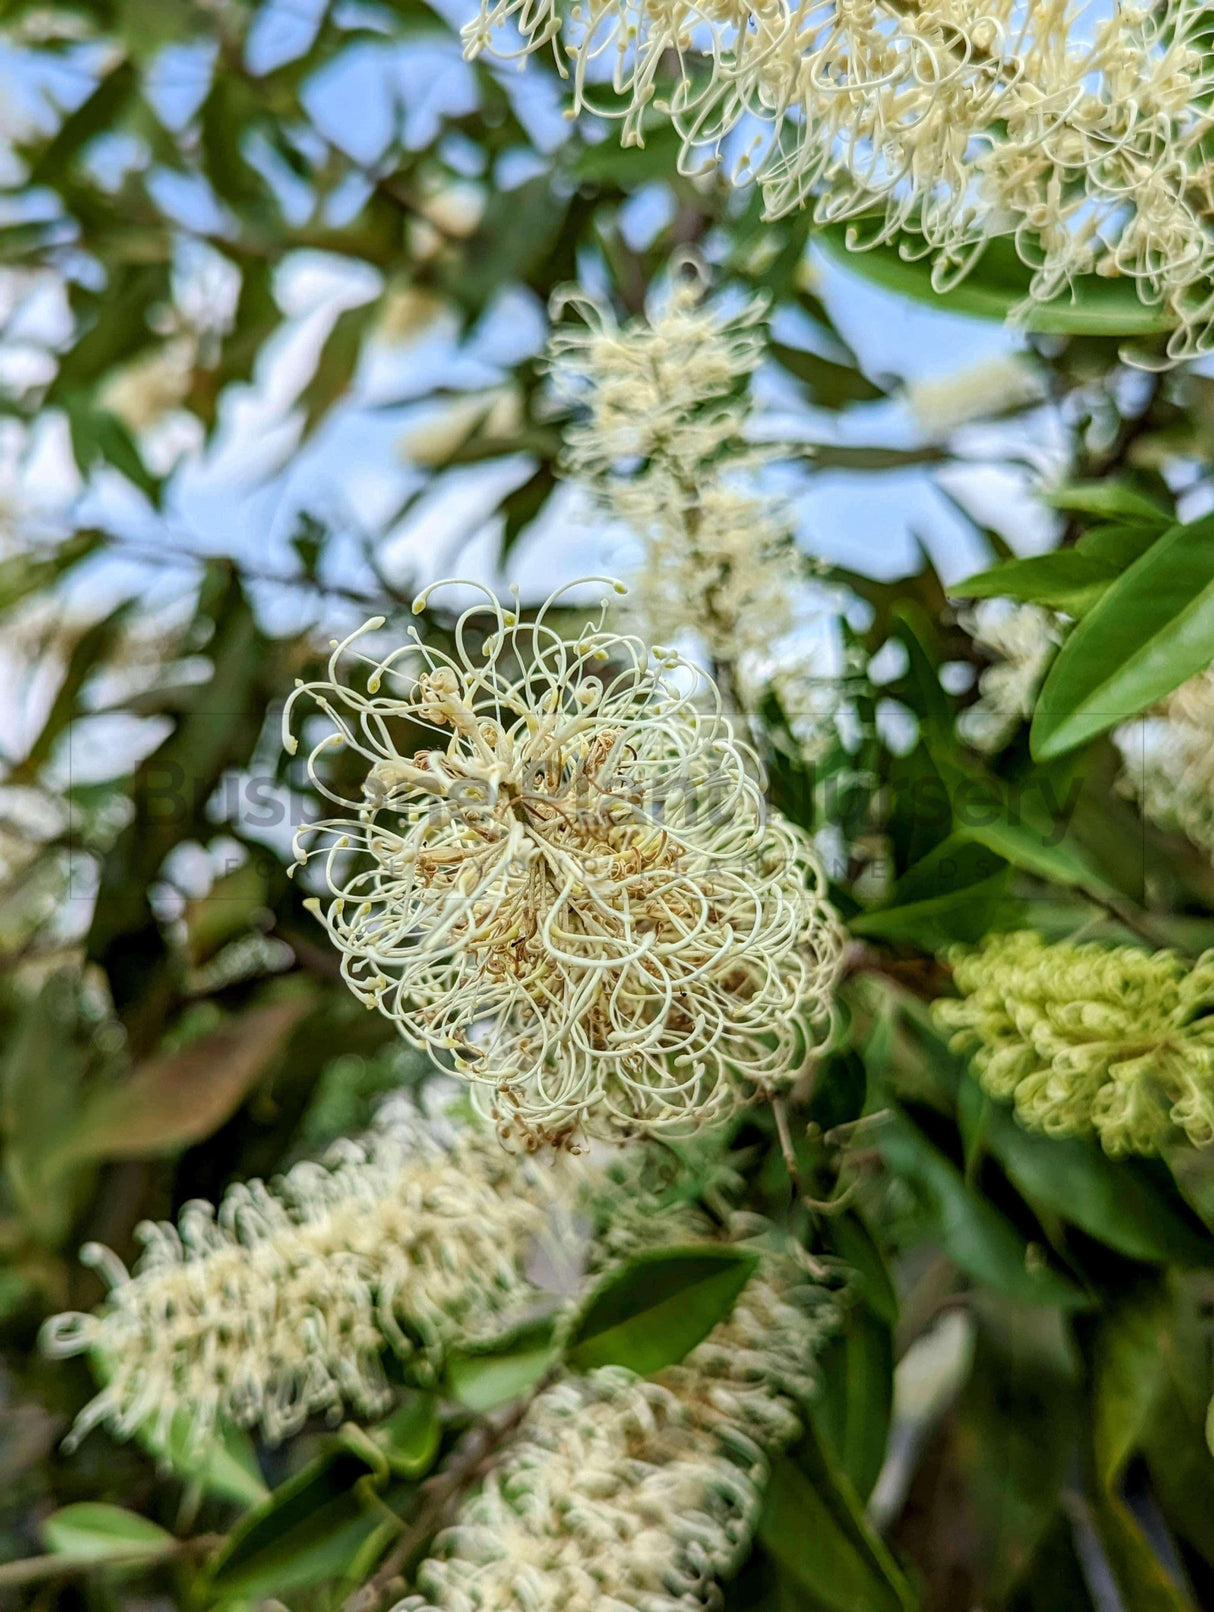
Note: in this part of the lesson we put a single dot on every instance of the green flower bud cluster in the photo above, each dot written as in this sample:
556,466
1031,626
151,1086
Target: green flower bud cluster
1087,1038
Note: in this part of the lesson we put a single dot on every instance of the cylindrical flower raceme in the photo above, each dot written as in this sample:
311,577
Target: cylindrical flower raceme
279,1304
1022,640
578,892
1168,761
661,441
1088,1039
625,1494
1081,138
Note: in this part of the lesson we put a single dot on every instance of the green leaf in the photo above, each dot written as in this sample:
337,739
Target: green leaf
92,1531
655,1308
224,1466
1152,630
97,114
27,573
970,1230
410,1437
1017,1429
997,286
1110,500
1066,580
1118,546
41,1065
857,1248
814,1525
521,506
831,385
88,653
336,365
1126,1204
502,1370
852,1407
1129,1381
99,437
971,897
307,1531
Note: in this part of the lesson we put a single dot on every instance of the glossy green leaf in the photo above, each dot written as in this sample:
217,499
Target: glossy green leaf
410,1437
92,1531
852,1407
969,1229
815,1527
655,1308
1128,1204
309,1530
1129,1381
1152,630
499,1371
1110,500
999,285
1018,1425
957,892
1065,580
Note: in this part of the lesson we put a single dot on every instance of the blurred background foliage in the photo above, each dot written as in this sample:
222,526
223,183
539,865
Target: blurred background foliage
1019,1395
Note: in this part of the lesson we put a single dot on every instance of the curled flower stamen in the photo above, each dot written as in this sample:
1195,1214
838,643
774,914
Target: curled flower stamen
1081,138
574,887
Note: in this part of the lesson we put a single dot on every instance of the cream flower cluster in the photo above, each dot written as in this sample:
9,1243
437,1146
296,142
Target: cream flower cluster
1169,761
1022,638
573,886
1080,133
630,1495
279,1304
1088,1039
661,441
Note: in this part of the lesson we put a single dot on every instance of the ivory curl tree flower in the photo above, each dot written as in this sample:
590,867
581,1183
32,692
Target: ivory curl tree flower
664,413
1169,761
626,1492
576,891
1084,1038
279,1304
1080,136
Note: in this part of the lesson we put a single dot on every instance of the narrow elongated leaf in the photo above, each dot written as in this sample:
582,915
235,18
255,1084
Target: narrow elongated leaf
99,112
1152,629
999,285
657,1307
1065,579
831,384
92,1531
970,1230
183,1096
307,1531
852,1408
1126,1204
1111,500
487,1377
815,1527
